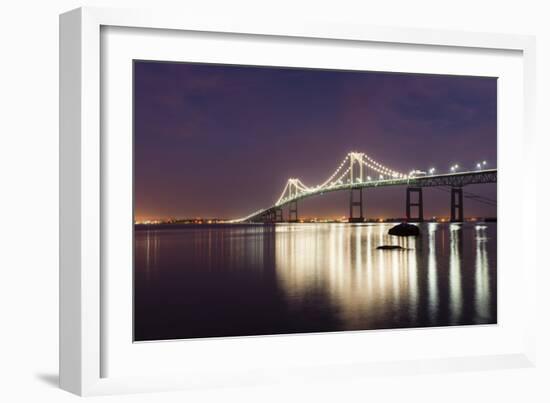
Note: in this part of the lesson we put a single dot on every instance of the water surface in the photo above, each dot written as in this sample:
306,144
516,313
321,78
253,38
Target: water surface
236,280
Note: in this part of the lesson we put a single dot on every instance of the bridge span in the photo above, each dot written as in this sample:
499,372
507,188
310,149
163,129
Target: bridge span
363,173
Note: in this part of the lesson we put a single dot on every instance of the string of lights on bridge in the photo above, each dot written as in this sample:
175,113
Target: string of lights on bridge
294,186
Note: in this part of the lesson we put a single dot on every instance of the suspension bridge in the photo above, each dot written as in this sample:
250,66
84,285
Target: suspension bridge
359,171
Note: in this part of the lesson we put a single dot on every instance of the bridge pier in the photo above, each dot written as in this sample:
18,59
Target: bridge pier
293,211
272,216
279,214
457,204
267,217
356,203
419,204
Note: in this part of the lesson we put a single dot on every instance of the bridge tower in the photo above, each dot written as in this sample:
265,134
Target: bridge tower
418,203
356,167
293,205
457,205
355,176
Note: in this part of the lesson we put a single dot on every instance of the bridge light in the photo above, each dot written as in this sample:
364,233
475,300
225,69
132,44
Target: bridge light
381,176
484,162
478,165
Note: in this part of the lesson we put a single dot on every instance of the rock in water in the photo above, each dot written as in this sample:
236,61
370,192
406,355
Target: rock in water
404,229
390,247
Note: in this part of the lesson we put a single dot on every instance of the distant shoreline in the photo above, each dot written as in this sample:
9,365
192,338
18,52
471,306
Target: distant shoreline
145,226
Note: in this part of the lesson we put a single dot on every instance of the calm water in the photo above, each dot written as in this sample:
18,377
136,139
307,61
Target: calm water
207,281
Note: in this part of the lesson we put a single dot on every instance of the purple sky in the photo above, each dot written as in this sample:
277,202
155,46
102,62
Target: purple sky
221,141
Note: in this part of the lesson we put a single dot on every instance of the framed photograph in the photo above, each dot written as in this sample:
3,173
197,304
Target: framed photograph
249,202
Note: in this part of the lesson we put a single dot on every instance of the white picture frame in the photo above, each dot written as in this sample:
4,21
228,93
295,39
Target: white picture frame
82,307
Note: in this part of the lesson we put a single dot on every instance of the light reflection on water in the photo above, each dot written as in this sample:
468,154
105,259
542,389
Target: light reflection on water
207,281
433,295
455,275
483,287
